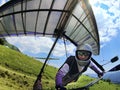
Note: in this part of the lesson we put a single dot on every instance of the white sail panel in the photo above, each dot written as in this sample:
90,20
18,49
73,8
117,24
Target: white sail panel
74,19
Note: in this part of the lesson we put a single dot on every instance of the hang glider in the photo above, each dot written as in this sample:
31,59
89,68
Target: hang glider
73,19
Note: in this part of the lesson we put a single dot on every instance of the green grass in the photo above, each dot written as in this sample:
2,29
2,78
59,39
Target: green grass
101,85
19,72
11,80
17,69
22,63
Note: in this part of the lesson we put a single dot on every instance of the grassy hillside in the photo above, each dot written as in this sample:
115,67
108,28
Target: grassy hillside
19,72
4,42
101,85
11,80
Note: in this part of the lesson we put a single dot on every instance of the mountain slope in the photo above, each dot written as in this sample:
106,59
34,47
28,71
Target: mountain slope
4,42
12,80
113,76
15,67
19,72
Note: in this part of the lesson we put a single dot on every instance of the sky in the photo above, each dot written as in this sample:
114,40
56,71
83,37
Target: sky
107,15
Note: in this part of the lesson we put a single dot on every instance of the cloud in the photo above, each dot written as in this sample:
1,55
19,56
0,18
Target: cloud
3,1
107,18
37,45
60,49
31,44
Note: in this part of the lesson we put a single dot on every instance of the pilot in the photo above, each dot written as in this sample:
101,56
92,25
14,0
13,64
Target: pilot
74,66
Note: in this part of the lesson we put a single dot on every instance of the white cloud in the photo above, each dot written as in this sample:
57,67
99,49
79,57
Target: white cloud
38,45
107,18
61,51
31,44
3,1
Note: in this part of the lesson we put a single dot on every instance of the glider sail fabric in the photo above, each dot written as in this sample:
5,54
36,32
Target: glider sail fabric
81,26
39,17
73,18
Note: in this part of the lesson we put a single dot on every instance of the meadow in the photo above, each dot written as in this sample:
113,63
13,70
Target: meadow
19,72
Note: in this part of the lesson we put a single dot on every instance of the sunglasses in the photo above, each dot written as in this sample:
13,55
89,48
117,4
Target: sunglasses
83,52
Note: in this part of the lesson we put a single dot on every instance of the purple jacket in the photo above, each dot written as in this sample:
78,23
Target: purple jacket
70,71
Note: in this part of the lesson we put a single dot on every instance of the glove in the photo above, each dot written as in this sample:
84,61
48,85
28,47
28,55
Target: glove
60,88
100,74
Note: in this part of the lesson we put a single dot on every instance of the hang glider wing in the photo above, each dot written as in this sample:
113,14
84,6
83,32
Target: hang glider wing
73,18
81,26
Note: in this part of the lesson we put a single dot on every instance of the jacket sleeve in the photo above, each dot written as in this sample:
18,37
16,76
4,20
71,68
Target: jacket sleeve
61,73
95,68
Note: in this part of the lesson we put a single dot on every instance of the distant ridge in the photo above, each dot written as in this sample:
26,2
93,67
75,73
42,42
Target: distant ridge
113,76
4,42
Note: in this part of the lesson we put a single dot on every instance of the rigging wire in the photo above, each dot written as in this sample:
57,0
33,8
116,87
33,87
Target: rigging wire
65,47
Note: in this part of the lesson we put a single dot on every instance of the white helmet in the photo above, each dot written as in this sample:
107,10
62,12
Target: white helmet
83,48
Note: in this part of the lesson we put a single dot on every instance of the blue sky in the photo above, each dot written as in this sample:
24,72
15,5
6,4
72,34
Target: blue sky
107,14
